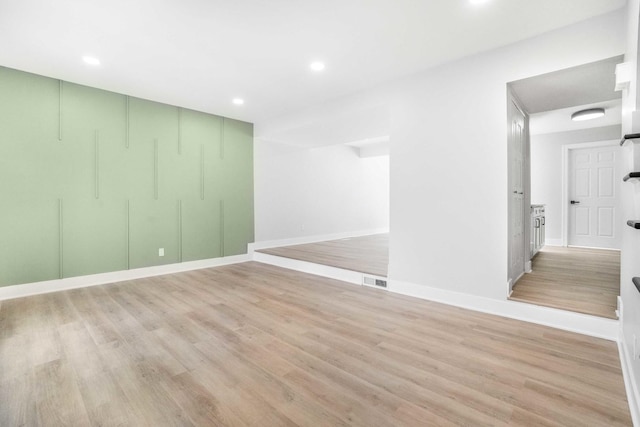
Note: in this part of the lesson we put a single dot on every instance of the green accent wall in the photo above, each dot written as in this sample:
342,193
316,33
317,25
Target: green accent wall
93,181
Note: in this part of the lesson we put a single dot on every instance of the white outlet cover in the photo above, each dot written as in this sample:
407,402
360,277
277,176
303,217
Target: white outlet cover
161,252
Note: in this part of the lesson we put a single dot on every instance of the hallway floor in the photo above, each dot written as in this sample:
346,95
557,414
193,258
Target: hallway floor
365,254
574,279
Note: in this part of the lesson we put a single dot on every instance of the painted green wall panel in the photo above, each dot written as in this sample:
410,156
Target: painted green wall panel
93,127
153,224
201,229
94,133
133,176
29,107
94,236
201,136
153,141
238,186
30,242
29,170
29,128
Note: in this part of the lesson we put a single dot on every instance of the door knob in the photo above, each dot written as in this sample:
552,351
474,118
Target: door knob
575,202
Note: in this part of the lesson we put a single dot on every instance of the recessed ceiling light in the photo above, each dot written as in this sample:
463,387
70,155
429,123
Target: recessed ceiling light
591,113
238,101
478,1
317,66
91,60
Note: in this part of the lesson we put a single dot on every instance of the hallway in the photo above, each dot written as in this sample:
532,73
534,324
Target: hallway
574,279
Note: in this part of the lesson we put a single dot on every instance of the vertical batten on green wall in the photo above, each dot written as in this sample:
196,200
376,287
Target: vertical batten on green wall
60,84
127,122
60,242
126,177
179,130
97,163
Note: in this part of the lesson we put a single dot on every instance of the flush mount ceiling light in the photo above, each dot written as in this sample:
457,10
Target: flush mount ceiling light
478,1
317,66
591,113
91,60
238,101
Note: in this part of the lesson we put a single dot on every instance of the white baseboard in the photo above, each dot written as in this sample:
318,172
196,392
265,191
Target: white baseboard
594,247
630,384
626,362
313,239
348,276
553,242
574,322
27,289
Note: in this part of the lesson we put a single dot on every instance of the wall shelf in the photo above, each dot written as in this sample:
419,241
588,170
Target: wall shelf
634,224
628,137
632,175
636,281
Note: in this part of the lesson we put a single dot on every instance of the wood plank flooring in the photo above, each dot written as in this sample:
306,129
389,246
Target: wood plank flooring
574,279
366,254
256,345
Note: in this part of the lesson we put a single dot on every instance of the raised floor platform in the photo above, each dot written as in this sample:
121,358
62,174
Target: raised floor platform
365,254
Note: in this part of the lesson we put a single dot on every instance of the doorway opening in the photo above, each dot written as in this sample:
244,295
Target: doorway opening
571,193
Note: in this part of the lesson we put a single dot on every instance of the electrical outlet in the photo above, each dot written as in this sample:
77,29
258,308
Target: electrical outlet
161,252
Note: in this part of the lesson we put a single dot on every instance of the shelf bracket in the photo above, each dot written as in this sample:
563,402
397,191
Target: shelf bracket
634,224
628,137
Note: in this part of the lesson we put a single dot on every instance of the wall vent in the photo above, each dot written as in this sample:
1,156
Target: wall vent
374,282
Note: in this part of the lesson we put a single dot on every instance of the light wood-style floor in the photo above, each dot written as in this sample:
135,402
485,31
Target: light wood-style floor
574,279
366,254
256,345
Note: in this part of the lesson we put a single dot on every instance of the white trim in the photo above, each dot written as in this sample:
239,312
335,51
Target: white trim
313,239
28,289
630,384
574,322
352,277
565,180
594,247
626,364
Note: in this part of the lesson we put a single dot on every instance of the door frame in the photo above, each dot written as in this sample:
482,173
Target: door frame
565,180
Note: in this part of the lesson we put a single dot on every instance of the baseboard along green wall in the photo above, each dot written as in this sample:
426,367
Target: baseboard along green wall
94,181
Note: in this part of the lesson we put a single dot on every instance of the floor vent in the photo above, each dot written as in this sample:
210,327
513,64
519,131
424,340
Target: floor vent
374,282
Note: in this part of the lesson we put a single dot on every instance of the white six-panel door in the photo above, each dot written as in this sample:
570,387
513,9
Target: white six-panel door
594,211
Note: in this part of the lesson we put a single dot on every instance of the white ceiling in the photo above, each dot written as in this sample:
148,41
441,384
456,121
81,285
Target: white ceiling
201,53
584,84
551,98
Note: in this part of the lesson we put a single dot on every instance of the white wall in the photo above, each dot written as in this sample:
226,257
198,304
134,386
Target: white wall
318,191
449,158
630,267
546,171
448,155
